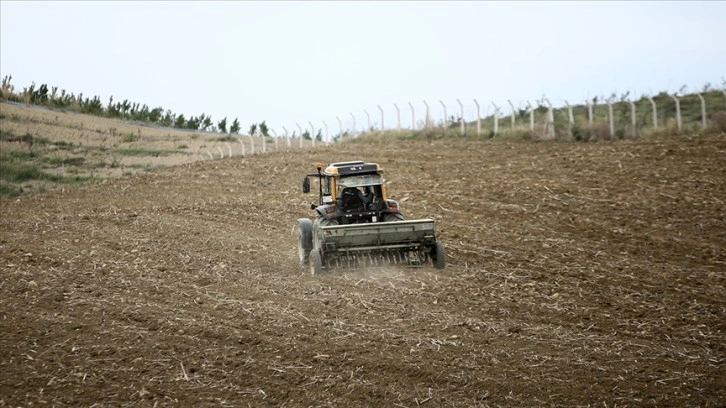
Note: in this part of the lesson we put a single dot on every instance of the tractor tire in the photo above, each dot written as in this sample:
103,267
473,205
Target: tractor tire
392,217
325,222
316,262
438,255
305,240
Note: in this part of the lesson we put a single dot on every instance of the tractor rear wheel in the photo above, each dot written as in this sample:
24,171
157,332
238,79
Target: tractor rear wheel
438,255
305,240
316,262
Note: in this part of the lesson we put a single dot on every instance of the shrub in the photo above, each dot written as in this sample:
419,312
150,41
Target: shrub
718,122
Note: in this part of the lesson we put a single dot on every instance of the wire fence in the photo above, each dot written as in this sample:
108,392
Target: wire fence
596,119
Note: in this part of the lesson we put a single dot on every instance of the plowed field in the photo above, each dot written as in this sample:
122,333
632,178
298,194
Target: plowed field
578,275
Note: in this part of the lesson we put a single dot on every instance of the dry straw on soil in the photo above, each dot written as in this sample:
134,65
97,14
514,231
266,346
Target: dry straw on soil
578,275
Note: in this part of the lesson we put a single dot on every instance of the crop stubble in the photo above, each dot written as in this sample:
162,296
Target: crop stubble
578,274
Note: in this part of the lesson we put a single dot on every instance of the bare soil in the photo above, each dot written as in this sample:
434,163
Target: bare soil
578,275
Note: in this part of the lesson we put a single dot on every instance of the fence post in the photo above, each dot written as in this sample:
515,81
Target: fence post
301,134
496,118
514,121
382,123
589,113
531,116
413,117
287,136
655,112
478,118
633,119
312,132
221,153
326,132
398,118
369,120
703,111
462,129
678,112
428,116
446,119
570,116
611,119
340,128
229,149
275,139
550,128
239,139
353,116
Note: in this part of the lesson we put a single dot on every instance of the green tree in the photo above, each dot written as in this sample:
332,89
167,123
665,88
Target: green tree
193,123
264,129
155,114
206,122
253,129
168,119
180,121
235,127
222,125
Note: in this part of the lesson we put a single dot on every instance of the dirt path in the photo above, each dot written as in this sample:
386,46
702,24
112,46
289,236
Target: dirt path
579,274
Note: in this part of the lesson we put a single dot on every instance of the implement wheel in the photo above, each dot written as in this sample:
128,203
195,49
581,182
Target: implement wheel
438,255
305,240
316,262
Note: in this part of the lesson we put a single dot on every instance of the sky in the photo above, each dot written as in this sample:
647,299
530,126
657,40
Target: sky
303,64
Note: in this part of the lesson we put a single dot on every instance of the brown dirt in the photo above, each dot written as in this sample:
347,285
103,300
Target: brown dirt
578,275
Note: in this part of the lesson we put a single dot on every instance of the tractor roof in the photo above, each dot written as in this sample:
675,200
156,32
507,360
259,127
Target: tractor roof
350,168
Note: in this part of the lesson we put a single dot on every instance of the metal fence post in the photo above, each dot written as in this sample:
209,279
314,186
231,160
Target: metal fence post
301,134
655,112
478,117
382,123
428,116
287,136
611,119
446,119
340,128
239,139
550,120
511,106
633,119
353,116
496,118
462,129
703,111
398,118
369,120
413,117
531,116
570,116
678,112
589,112
312,132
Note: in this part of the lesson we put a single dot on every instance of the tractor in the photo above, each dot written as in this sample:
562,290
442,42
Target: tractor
357,226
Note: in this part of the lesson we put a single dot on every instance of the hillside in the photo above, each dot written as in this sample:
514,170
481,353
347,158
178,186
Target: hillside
578,274
42,149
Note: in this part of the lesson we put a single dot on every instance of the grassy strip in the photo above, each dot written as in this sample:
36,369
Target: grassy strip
137,151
